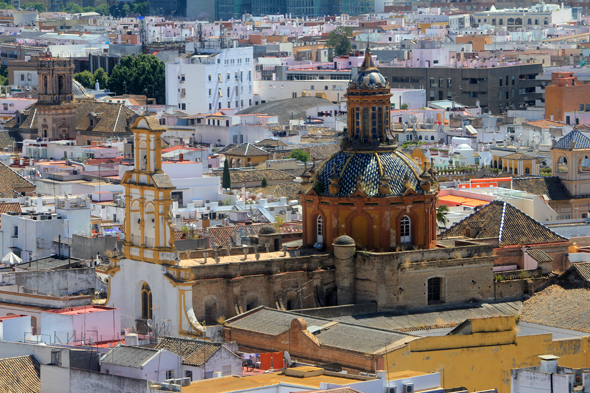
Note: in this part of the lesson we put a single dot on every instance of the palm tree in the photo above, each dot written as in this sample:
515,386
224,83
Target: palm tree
441,215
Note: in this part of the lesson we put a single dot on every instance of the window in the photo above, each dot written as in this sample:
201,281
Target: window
219,77
225,371
449,82
312,87
146,302
228,75
228,92
440,82
320,230
405,230
220,92
432,82
500,81
210,106
188,374
209,77
169,374
183,106
209,92
22,77
513,80
15,232
434,290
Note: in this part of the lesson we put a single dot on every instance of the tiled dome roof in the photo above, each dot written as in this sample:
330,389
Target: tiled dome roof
369,76
371,166
369,80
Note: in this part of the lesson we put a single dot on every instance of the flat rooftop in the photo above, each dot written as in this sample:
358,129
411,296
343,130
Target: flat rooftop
231,384
264,256
81,310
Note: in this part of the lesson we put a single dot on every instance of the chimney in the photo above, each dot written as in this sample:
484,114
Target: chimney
548,363
181,157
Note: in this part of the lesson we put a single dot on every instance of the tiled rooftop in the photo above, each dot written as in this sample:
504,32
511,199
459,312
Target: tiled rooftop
21,374
508,224
552,187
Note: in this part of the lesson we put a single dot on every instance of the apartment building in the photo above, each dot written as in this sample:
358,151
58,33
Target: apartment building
209,81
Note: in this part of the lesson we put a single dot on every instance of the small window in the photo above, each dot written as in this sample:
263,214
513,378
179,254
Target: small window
169,374
209,77
15,232
406,228
434,290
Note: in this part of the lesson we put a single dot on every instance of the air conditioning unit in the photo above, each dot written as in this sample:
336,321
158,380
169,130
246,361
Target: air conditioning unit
408,388
392,389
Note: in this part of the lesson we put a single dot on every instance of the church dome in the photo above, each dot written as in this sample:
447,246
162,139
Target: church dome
370,168
464,146
369,76
369,80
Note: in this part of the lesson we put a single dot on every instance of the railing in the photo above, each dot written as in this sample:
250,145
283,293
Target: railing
136,240
150,242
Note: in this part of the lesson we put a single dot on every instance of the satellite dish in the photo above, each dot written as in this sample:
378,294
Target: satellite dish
150,323
287,359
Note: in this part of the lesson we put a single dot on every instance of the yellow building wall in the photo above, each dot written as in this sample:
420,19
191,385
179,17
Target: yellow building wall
483,360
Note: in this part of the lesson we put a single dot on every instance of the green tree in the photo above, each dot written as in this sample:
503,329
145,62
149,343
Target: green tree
264,183
36,6
85,78
102,9
89,9
226,180
299,155
441,215
101,77
143,74
404,106
73,8
339,40
6,6
140,7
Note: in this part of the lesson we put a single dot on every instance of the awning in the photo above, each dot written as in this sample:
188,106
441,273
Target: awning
453,200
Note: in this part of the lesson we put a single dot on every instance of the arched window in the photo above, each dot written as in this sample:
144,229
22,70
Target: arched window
527,171
405,230
379,120
420,137
146,302
562,165
431,137
320,230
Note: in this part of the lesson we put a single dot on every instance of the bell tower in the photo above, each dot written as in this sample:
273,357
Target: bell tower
56,111
149,234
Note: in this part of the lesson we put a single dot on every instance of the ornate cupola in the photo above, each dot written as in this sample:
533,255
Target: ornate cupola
368,102
369,190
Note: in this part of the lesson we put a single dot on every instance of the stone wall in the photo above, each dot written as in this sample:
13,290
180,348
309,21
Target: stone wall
228,289
400,280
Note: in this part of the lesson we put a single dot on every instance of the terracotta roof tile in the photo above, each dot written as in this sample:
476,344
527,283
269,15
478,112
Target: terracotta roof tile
583,269
539,255
112,118
20,374
550,186
508,224
246,150
11,183
193,352
559,307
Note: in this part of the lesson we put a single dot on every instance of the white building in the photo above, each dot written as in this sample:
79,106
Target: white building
83,324
31,235
155,365
207,82
14,327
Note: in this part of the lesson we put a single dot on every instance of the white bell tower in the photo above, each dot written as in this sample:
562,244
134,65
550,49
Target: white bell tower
148,223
